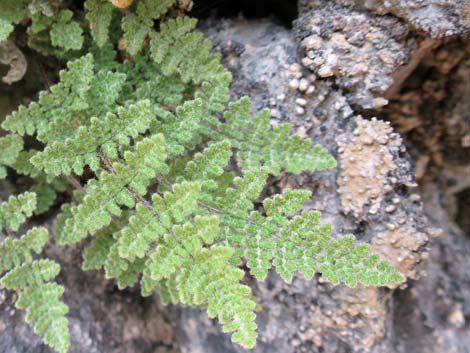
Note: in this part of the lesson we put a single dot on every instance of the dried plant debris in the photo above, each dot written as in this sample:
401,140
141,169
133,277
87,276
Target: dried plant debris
11,55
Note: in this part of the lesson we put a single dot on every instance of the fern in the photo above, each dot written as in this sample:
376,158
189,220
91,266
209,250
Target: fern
99,15
66,33
12,11
11,146
169,176
38,295
137,26
16,210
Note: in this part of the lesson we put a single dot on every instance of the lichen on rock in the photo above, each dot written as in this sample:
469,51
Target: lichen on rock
365,161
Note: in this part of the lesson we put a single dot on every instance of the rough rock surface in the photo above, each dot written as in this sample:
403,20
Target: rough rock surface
102,318
315,316
357,49
438,18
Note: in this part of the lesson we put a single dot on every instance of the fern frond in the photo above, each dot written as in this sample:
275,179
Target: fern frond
174,178
41,300
302,244
30,274
11,12
106,195
17,209
51,116
14,252
66,33
11,146
48,319
178,48
137,26
99,16
259,143
106,135
209,280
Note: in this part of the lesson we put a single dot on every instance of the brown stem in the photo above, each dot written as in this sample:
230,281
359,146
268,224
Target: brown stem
75,183
109,168
43,76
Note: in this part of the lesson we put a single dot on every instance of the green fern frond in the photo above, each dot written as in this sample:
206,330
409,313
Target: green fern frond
41,300
99,16
209,280
66,33
51,116
30,274
11,146
17,209
106,194
48,319
11,12
14,252
105,135
259,143
137,26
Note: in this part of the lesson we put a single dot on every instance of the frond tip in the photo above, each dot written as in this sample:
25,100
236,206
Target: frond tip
40,298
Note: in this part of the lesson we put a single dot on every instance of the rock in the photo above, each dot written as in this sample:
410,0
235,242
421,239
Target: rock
357,50
313,316
437,18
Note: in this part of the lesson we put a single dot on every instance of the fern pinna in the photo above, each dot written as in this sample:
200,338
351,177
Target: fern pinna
30,277
174,201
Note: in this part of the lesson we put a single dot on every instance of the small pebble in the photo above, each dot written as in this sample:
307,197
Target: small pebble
310,90
275,113
379,102
307,62
415,197
390,208
294,83
302,102
325,71
299,110
318,61
303,85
